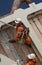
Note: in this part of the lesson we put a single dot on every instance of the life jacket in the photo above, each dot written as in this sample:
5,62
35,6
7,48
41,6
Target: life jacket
30,63
20,29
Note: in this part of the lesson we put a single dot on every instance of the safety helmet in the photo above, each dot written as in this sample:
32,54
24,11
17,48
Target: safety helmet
18,20
31,56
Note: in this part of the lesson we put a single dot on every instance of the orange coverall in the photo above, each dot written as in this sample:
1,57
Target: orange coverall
32,62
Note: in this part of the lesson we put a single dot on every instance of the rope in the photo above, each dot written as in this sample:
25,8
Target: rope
7,24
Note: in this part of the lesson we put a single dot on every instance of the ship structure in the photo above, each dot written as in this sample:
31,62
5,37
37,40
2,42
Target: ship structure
21,35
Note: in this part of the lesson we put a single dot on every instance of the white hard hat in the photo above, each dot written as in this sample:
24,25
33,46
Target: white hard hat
31,56
18,20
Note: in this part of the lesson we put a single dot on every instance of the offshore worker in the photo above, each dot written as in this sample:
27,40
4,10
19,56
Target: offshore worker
19,26
32,59
21,32
19,29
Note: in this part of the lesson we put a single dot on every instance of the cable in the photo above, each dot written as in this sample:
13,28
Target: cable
7,24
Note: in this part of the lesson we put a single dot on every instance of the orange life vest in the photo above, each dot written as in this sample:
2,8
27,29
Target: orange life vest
20,29
30,63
